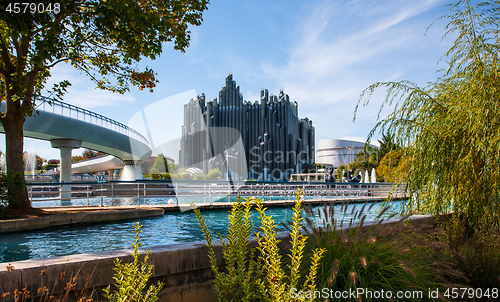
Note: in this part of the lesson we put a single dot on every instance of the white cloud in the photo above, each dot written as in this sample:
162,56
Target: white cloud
82,93
92,98
342,47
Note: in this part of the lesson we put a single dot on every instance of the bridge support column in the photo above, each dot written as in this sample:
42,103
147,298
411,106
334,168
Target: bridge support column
65,146
111,174
132,170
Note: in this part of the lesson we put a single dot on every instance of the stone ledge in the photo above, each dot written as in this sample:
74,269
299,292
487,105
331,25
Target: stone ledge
84,217
184,267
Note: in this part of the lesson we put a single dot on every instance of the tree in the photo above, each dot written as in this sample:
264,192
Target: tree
89,153
339,172
100,38
51,164
77,158
387,144
214,174
393,166
452,125
365,160
160,165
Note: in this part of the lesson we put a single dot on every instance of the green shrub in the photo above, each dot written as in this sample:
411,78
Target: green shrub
131,278
479,257
257,274
9,185
376,258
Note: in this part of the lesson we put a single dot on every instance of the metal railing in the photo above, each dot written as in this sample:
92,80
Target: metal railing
213,191
61,108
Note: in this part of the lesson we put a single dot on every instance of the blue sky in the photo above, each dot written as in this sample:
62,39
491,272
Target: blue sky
322,53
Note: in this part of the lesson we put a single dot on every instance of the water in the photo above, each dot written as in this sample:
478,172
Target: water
124,201
167,229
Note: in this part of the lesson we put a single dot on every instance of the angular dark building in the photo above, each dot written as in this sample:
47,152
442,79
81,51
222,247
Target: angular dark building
275,142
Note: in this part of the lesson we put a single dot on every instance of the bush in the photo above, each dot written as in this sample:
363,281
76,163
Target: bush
257,274
479,257
380,258
9,184
131,278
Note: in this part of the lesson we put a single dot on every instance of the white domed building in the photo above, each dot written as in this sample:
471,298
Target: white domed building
336,152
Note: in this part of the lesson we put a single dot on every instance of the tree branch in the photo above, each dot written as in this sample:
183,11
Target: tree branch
5,57
58,61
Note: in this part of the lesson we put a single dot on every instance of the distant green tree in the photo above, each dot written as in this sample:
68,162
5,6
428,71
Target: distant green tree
51,164
214,174
393,167
199,176
172,167
145,167
387,144
39,162
365,160
452,126
160,165
339,172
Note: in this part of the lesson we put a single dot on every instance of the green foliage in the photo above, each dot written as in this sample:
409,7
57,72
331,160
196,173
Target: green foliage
132,278
339,175
160,165
10,185
162,168
479,257
105,40
214,174
100,38
4,200
365,160
379,258
451,126
387,144
159,176
257,274
392,167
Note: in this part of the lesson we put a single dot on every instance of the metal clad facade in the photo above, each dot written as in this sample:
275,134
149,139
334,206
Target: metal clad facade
276,142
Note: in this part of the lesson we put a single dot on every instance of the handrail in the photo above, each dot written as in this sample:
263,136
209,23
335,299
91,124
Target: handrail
86,116
213,190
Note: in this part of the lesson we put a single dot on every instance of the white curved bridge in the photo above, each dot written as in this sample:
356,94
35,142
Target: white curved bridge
68,127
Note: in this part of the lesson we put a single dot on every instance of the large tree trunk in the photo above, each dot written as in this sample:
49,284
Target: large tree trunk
18,194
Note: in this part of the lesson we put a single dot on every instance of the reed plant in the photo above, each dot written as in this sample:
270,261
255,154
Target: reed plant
258,273
369,259
479,257
61,289
132,278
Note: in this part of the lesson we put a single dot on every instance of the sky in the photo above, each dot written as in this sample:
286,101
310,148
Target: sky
322,53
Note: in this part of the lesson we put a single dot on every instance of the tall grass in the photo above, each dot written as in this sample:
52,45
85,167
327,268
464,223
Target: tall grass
378,257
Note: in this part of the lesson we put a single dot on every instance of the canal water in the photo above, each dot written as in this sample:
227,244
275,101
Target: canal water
166,229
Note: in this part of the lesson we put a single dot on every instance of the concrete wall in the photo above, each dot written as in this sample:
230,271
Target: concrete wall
185,269
84,217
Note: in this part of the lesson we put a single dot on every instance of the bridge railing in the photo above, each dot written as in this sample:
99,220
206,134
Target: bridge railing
157,192
61,108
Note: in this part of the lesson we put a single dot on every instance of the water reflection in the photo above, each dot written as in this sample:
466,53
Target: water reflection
170,228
